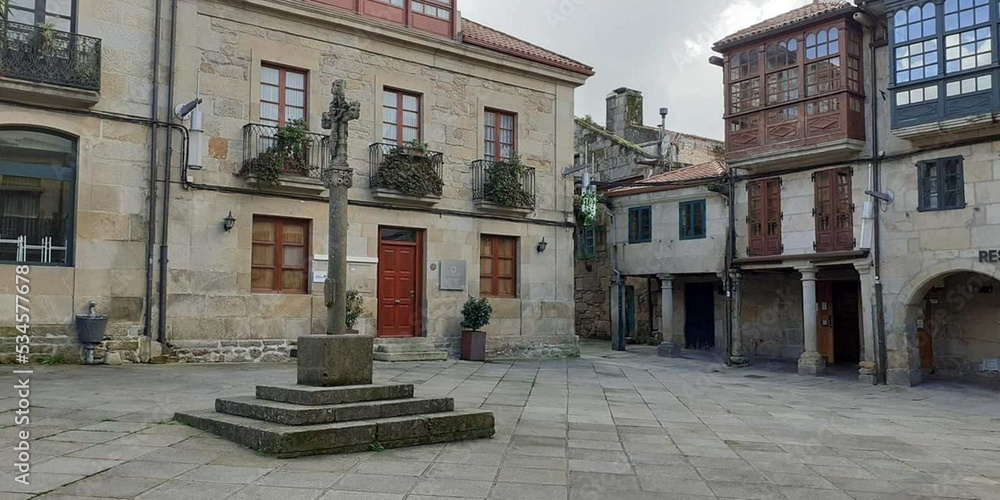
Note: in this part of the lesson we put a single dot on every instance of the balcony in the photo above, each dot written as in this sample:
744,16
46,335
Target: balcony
63,68
288,158
406,173
820,130
503,185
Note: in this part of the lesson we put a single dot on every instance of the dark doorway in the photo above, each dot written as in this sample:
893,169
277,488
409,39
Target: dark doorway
699,316
630,311
847,322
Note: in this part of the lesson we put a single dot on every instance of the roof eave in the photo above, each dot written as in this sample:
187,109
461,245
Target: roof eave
581,70
722,46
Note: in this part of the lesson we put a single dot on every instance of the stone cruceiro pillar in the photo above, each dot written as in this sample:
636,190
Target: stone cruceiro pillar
335,408
337,358
736,356
669,348
811,362
867,368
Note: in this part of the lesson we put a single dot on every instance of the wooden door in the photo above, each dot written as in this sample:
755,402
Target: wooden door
824,320
399,282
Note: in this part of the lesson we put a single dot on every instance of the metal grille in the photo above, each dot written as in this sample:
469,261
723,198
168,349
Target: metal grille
40,54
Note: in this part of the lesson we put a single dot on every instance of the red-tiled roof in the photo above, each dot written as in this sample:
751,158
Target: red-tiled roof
682,176
814,9
474,33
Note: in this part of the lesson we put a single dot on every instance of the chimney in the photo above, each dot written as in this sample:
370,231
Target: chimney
624,109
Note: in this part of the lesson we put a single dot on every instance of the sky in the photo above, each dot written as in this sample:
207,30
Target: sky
660,47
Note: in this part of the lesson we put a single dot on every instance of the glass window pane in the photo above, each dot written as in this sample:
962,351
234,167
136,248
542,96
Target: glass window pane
59,23
411,103
37,148
393,234
293,257
410,119
389,99
269,75
264,231
486,286
410,134
39,211
389,133
262,255
269,93
507,121
293,280
60,7
261,279
293,234
268,111
389,115
295,80
292,114
295,97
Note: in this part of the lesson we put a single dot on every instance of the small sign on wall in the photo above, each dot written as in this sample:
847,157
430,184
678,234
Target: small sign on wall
452,275
319,276
989,256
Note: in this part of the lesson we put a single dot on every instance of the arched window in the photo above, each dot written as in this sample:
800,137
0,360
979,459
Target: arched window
915,43
37,185
967,35
823,68
782,54
743,64
825,43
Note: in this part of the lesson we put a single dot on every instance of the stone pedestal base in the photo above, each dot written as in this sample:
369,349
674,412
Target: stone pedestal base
334,360
668,349
867,373
812,364
739,361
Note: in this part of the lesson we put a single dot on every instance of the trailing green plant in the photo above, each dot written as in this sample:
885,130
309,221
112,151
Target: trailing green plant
355,308
376,446
54,359
289,154
411,170
503,183
45,38
476,313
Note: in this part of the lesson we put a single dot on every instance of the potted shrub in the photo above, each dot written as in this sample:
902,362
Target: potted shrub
476,314
503,184
288,155
355,308
410,170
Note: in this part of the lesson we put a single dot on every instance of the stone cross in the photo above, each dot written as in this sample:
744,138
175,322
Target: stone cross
338,178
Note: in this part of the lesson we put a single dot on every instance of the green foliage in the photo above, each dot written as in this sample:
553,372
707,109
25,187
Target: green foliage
476,313
55,359
376,446
355,308
45,37
288,155
411,170
503,184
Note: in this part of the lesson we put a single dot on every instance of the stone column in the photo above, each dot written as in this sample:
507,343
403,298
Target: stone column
669,347
867,369
810,363
736,356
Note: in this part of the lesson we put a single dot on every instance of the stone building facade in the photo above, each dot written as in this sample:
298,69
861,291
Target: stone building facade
864,183
454,106
624,150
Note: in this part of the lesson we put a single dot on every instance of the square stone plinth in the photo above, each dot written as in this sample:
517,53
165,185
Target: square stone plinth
334,360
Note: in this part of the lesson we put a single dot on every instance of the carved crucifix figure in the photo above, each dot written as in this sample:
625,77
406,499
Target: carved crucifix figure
337,177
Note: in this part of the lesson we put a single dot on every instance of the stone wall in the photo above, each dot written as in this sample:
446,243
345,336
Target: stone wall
771,315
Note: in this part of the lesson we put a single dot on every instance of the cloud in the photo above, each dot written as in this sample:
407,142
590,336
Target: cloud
736,16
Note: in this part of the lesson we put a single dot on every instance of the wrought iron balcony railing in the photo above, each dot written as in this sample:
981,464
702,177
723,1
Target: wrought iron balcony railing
504,182
42,54
265,155
408,170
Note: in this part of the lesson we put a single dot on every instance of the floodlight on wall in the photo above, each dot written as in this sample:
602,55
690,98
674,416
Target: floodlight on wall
885,196
183,112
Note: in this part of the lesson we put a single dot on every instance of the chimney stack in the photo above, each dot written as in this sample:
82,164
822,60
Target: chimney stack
624,109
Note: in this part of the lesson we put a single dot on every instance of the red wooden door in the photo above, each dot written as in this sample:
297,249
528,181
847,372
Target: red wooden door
399,283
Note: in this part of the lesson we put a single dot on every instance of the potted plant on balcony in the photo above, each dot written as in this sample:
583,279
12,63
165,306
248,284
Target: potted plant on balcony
476,314
355,308
289,154
503,183
410,170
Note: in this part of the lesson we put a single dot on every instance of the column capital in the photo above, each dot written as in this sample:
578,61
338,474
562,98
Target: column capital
665,277
808,273
863,267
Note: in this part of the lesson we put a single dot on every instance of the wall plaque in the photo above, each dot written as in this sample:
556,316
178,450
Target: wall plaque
452,275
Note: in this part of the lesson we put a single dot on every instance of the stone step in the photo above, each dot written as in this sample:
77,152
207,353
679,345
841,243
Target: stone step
286,441
411,356
320,396
292,414
405,347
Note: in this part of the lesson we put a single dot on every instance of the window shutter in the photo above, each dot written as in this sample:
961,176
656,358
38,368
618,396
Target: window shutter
824,211
844,221
773,217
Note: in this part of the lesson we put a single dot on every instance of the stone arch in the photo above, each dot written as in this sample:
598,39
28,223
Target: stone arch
903,338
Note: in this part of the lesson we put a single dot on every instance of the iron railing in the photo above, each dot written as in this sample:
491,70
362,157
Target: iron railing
410,171
483,190
307,159
44,55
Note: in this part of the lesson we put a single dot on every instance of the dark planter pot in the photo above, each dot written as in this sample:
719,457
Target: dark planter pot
90,330
473,346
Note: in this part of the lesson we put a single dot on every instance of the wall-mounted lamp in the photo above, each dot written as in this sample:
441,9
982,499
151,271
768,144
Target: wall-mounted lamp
541,245
229,222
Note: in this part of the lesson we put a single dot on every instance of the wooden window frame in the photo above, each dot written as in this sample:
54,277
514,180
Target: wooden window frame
41,11
688,212
924,186
279,247
400,94
640,224
840,206
498,145
282,105
767,215
494,241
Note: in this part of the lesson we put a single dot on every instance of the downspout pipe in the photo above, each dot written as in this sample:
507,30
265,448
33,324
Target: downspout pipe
730,256
151,206
161,330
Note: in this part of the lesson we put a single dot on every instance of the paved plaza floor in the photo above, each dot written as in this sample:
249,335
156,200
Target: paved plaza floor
618,426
